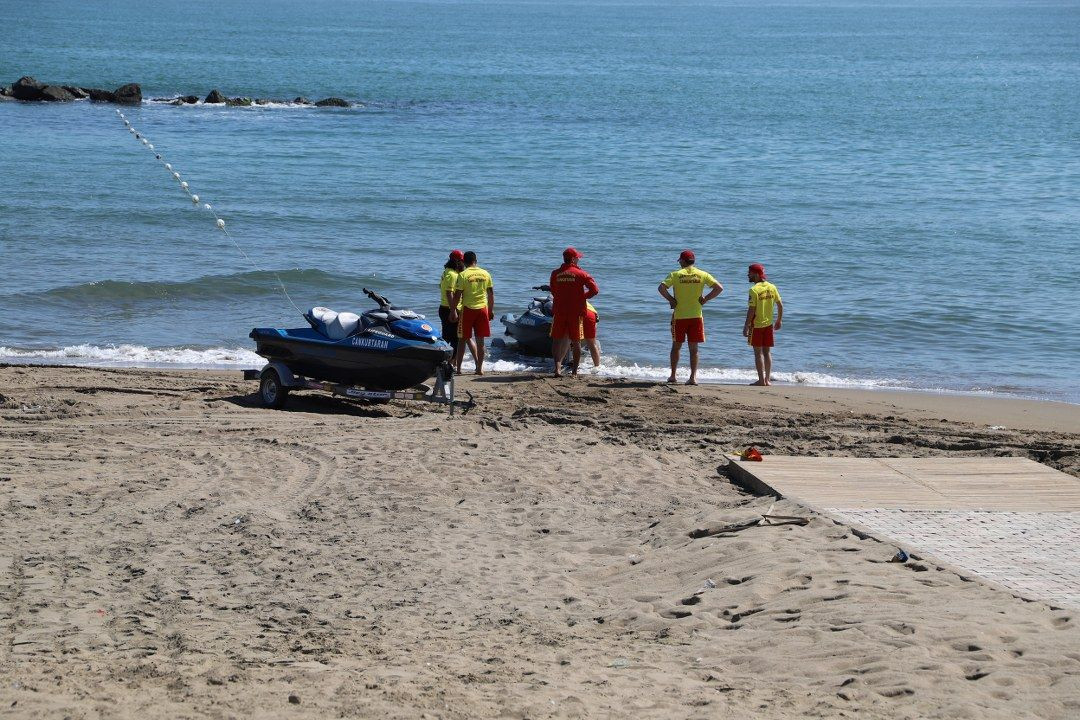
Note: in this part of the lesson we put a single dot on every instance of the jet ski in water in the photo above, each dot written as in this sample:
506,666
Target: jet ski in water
532,328
388,348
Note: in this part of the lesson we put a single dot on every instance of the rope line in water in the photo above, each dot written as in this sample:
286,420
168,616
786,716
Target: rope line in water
199,205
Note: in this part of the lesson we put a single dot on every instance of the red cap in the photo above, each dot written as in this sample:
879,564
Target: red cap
759,269
457,255
687,255
570,253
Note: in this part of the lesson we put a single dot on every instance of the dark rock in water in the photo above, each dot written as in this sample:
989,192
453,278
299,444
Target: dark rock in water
27,88
241,101
99,95
55,93
6,98
214,98
263,101
5,91
301,101
177,101
189,99
130,94
332,102
77,92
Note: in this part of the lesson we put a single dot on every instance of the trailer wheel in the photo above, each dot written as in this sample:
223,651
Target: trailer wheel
272,393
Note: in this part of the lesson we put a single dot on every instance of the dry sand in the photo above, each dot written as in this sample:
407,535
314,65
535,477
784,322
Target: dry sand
167,549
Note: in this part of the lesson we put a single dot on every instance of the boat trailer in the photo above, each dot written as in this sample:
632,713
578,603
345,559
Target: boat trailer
276,380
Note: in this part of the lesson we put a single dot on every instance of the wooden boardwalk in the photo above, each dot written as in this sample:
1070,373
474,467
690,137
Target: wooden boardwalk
1011,521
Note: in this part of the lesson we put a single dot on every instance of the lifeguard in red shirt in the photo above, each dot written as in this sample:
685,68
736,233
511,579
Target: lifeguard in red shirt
571,288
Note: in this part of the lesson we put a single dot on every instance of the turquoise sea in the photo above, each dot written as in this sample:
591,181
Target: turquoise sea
908,172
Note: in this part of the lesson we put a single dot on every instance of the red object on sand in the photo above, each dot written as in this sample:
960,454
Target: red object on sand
751,453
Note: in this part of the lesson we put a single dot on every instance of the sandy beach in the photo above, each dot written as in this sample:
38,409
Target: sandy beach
170,549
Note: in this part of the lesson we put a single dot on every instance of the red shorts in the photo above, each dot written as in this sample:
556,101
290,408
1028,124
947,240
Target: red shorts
567,326
762,337
588,325
474,322
688,330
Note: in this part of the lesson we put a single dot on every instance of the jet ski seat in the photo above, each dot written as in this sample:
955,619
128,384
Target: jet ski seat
334,325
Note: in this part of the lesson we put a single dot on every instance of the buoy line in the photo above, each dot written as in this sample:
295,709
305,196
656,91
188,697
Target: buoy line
200,205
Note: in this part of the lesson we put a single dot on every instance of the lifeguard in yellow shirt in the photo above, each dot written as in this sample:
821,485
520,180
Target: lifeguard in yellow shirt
474,293
759,327
687,320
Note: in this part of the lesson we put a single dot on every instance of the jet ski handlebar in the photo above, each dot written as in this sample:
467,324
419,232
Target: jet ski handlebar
381,301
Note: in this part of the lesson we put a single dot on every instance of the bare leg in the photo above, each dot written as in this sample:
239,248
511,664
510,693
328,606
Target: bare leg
472,350
759,363
594,350
559,346
459,356
575,346
693,364
479,356
767,352
675,348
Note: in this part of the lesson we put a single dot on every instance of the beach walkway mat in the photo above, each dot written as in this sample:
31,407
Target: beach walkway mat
1010,521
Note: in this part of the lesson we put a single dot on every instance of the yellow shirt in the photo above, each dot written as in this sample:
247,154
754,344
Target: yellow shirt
474,282
763,298
688,283
590,308
446,284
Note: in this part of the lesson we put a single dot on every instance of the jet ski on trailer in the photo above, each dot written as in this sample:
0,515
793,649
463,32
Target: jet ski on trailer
377,355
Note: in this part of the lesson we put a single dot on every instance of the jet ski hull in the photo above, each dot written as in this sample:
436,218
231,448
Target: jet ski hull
370,360
532,333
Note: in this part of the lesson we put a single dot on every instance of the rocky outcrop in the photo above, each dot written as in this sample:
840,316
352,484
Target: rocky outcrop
29,89
130,94
99,95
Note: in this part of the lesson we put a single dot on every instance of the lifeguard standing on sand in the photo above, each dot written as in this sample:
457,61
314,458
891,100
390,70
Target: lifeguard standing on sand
759,327
571,288
475,293
687,319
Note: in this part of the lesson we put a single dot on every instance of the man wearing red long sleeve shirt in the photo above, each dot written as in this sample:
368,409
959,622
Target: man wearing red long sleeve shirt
571,287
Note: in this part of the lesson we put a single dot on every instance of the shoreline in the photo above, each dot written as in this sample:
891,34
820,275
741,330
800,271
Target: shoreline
944,393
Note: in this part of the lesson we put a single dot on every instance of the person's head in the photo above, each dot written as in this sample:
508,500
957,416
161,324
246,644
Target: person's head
469,258
456,261
570,256
756,273
686,258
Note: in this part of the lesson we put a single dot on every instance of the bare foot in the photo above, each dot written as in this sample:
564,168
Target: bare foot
479,372
671,380
691,381
759,383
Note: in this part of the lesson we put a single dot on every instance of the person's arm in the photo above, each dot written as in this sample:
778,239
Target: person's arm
591,288
716,290
667,295
779,314
749,321
491,303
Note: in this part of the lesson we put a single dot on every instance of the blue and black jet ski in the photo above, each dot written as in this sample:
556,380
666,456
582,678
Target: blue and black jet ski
388,348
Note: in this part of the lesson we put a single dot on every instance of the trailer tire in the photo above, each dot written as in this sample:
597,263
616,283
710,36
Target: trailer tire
272,392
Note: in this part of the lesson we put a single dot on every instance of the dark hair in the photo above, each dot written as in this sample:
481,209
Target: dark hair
470,257
454,265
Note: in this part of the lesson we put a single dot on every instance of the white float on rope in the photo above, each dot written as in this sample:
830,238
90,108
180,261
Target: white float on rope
195,199
184,185
168,167
220,224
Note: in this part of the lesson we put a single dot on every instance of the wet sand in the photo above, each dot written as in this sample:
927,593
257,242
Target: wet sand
169,549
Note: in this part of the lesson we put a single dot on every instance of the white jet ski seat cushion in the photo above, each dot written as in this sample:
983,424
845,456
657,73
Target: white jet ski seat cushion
334,325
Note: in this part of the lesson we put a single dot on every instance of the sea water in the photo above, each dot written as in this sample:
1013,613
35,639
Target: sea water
908,174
